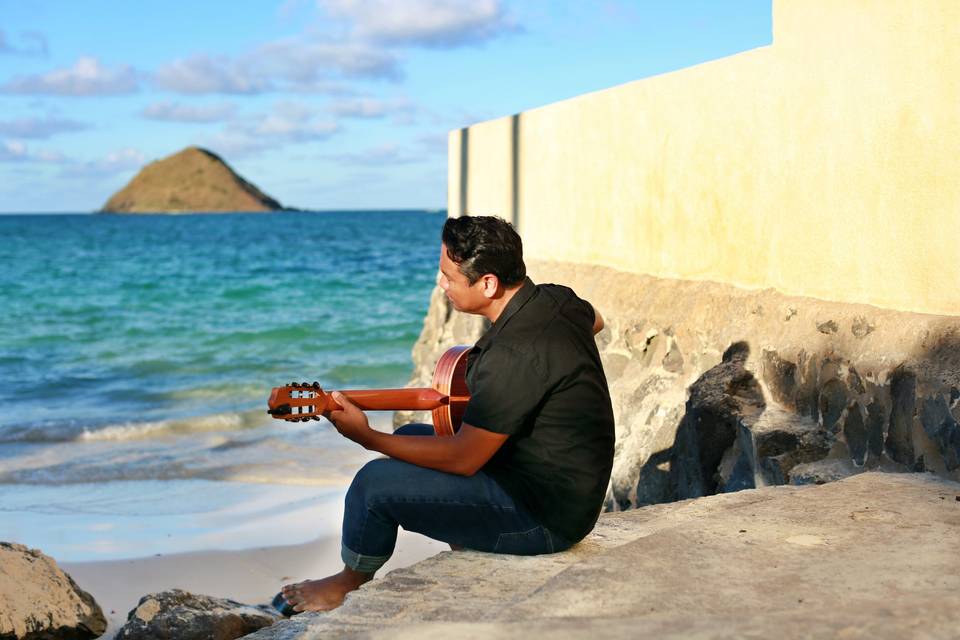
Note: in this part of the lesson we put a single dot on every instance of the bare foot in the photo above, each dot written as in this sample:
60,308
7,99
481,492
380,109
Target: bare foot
325,594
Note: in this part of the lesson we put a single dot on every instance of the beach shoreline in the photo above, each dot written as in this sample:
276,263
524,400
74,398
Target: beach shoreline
251,576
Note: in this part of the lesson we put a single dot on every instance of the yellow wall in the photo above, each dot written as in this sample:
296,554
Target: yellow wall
825,165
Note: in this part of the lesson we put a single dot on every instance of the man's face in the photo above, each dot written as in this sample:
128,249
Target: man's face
464,296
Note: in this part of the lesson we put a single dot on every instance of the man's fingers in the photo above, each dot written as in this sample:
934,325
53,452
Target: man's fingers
343,401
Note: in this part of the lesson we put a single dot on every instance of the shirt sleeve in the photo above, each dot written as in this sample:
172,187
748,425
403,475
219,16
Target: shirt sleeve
506,391
575,308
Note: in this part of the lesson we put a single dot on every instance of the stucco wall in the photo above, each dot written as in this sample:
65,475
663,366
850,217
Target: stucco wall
824,165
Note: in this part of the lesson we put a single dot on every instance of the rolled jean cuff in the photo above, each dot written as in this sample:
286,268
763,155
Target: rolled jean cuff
361,563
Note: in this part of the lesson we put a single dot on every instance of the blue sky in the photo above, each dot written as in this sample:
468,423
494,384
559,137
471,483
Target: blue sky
324,104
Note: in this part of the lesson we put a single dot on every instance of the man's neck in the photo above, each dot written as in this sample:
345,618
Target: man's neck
498,304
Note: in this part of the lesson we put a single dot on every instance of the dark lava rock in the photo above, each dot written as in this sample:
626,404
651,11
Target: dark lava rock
769,449
861,328
783,440
39,601
781,376
876,419
823,471
827,327
903,394
942,428
179,615
855,433
724,397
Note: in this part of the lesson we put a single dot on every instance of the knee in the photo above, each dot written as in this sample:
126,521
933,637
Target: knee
372,479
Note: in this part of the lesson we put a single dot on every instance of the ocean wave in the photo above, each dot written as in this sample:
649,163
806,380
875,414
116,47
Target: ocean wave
231,421
133,430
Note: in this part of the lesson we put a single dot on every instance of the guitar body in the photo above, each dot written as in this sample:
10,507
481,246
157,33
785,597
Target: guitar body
450,379
447,397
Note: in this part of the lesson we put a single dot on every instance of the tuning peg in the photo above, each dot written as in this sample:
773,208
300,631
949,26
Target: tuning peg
292,384
282,410
316,385
304,384
316,417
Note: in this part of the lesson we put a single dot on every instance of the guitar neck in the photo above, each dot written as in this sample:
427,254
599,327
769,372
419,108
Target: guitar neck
393,399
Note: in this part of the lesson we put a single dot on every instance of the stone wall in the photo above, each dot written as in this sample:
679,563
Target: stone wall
847,387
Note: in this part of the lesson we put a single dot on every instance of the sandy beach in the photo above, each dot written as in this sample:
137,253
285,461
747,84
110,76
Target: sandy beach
252,576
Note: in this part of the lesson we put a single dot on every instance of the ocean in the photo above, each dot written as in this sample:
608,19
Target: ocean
137,354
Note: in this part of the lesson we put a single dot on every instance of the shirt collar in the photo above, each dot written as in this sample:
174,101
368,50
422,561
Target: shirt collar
520,298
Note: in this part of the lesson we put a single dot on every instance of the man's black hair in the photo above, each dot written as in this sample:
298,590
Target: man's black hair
484,244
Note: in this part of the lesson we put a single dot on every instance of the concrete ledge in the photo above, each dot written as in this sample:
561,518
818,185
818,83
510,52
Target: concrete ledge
874,555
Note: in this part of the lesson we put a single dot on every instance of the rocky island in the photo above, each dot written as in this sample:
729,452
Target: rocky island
193,180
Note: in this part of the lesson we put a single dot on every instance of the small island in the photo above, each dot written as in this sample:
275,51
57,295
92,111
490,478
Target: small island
193,180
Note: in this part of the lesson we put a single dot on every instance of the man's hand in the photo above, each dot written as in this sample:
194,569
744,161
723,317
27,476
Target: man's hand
351,422
463,453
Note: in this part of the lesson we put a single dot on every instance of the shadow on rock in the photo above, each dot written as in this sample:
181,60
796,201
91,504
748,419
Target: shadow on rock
722,400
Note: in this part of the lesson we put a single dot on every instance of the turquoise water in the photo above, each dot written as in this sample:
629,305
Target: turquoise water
142,349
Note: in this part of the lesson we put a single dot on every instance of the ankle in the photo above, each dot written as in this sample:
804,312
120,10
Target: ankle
355,578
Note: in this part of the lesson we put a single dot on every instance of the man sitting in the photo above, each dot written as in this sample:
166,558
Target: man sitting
528,469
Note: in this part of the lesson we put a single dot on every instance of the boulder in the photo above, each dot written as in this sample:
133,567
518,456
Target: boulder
38,600
179,615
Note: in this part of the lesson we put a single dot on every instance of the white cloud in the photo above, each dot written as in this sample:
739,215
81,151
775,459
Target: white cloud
119,161
385,154
174,112
301,62
15,151
290,64
428,23
201,74
85,78
294,122
402,110
39,128
287,123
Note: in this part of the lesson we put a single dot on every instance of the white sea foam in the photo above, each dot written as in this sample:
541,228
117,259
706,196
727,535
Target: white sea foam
199,424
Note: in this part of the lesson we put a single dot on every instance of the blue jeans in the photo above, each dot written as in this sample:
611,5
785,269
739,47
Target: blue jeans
471,512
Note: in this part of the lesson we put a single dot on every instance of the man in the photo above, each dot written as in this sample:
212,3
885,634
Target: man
528,469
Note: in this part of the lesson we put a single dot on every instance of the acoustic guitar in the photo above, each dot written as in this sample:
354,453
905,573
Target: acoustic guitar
446,397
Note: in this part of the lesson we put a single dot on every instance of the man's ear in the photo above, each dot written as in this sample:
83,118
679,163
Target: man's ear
491,285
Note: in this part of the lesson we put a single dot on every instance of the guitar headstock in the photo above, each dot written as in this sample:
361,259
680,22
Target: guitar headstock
299,402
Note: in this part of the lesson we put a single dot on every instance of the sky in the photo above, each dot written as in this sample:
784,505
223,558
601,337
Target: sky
323,104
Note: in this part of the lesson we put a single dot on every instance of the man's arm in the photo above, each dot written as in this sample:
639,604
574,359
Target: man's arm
463,454
597,321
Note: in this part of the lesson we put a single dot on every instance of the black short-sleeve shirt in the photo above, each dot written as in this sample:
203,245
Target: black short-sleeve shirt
536,376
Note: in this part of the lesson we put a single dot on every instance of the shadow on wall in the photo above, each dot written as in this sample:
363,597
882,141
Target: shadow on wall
514,163
826,421
721,400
